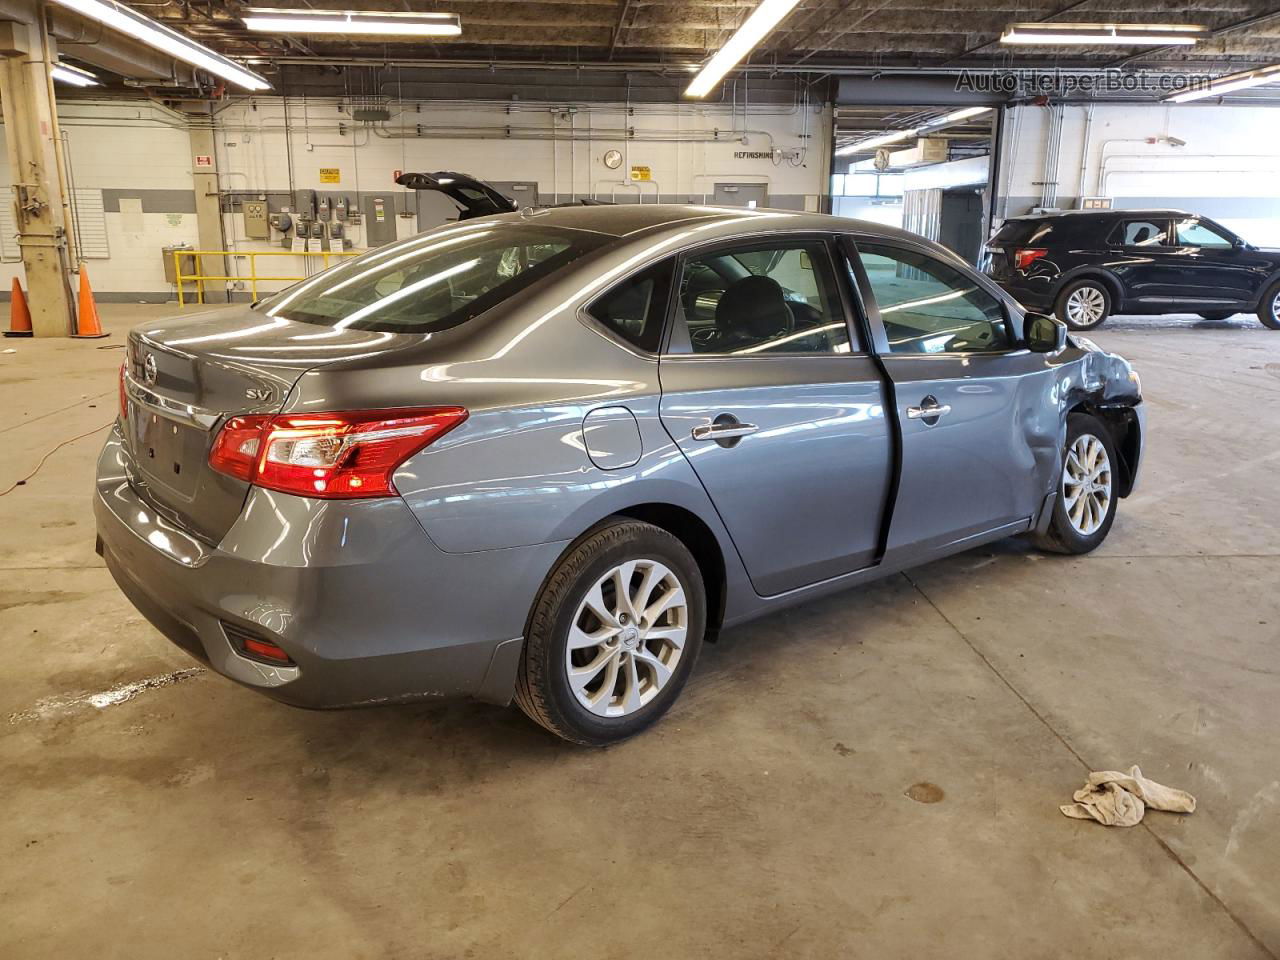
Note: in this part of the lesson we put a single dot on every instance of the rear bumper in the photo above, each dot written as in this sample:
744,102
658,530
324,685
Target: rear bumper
366,606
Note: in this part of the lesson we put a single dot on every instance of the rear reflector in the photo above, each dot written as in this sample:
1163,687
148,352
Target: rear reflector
124,395
1027,256
328,455
253,646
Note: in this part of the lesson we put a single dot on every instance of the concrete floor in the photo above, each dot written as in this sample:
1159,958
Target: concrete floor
768,816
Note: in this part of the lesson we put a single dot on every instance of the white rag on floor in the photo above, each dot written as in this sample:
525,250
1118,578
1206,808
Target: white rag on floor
1118,799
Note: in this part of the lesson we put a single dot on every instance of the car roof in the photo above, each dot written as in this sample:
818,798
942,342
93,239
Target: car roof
1105,214
626,219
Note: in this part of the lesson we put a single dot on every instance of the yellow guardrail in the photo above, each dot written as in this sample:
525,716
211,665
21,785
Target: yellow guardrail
253,277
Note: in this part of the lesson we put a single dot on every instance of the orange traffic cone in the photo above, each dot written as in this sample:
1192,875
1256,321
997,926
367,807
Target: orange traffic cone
19,315
88,326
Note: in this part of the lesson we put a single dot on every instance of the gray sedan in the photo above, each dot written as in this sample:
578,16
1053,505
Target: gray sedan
549,455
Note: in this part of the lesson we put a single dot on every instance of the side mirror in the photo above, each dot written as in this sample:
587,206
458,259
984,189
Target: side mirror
1044,334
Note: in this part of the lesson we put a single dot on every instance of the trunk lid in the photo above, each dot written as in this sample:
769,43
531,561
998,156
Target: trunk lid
187,376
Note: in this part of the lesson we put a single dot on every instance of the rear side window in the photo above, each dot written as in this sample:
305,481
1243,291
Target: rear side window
433,281
636,308
1017,233
1143,233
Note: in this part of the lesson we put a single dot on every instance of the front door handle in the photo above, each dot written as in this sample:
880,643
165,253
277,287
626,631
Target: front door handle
723,430
928,410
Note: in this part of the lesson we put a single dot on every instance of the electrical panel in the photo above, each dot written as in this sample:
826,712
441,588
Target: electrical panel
340,208
317,230
256,224
324,208
379,221
305,201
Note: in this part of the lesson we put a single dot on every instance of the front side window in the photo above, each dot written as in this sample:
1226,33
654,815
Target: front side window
432,281
766,298
1193,233
928,306
636,308
1144,233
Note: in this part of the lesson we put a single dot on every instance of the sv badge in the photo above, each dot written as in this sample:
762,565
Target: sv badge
262,394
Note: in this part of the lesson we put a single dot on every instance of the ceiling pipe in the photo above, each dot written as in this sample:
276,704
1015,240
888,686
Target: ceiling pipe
93,43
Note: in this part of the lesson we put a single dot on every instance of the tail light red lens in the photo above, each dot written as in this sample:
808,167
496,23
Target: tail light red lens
328,455
1027,256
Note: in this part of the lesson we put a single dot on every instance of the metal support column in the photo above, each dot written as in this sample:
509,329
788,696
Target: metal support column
204,174
31,130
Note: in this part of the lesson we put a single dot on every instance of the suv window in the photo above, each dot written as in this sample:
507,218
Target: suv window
1020,232
928,306
636,308
1193,233
1144,233
777,297
432,281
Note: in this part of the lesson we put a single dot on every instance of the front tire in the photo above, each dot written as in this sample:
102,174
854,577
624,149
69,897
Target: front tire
614,634
1085,506
1269,308
1083,305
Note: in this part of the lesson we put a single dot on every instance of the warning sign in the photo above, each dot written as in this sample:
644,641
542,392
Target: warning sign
641,173
203,161
330,175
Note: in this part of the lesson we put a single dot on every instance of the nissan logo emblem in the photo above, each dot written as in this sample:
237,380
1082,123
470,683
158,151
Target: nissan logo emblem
149,369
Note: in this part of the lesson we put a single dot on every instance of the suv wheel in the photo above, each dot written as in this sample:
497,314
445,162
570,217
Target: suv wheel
1269,308
1086,504
1213,316
1083,305
614,635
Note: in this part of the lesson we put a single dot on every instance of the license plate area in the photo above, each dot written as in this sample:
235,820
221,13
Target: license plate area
167,453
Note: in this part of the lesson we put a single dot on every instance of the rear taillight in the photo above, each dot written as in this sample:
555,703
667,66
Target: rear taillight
1027,256
124,394
328,455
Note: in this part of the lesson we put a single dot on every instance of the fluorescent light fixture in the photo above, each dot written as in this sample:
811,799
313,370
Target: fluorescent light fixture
897,135
166,40
763,19
66,73
1228,84
1094,34
385,23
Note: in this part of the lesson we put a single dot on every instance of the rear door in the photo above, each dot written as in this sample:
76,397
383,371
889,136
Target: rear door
778,407
1145,259
966,395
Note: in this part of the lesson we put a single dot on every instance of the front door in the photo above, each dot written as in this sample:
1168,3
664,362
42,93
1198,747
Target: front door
973,452
1215,271
781,413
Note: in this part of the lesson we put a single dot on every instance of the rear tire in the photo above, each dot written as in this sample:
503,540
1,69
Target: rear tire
1269,308
614,634
1085,506
1083,305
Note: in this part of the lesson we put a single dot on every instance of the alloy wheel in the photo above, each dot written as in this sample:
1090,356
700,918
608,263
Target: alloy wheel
1086,484
627,638
1085,306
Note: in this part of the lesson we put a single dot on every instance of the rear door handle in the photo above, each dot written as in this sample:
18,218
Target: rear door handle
723,431
929,409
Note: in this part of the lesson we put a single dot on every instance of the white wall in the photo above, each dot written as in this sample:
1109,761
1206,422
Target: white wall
1229,168
137,149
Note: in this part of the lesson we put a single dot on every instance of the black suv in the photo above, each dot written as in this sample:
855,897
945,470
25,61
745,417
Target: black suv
1084,265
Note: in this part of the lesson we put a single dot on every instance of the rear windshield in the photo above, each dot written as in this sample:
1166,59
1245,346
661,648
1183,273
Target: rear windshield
1020,232
433,281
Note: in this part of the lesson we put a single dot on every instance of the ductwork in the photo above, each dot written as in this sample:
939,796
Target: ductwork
95,44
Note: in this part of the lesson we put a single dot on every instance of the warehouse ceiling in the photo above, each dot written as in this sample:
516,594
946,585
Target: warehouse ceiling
819,35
